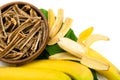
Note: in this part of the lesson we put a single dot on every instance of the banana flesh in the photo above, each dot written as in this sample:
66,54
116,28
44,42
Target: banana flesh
75,70
14,73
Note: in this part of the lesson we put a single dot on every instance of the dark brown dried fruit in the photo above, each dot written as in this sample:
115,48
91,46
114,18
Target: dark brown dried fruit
23,32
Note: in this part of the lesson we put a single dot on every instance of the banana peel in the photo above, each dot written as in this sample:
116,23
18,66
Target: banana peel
93,38
112,73
57,24
62,32
85,60
84,34
51,18
79,51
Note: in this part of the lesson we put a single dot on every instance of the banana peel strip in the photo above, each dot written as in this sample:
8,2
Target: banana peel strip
85,60
93,38
84,34
79,51
65,28
51,18
64,55
58,23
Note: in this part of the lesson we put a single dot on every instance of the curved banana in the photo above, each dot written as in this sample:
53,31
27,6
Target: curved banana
73,69
113,73
13,73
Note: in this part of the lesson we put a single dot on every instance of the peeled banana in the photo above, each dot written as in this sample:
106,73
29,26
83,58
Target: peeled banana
75,70
14,73
113,73
78,50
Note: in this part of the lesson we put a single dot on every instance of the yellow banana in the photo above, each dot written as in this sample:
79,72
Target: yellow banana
73,69
13,73
113,73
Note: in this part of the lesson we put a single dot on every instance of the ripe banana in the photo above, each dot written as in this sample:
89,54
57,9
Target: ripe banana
13,73
73,69
113,73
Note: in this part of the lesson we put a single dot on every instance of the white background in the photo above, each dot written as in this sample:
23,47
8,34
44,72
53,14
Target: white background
103,15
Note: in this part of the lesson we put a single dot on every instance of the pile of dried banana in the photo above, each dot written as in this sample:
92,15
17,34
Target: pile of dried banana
22,31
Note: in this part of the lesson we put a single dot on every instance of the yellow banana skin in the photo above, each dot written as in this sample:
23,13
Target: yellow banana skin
113,73
13,73
73,69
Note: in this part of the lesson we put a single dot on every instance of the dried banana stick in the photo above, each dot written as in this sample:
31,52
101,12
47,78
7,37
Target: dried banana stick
2,26
26,7
33,13
19,11
18,29
66,26
57,25
34,47
51,18
11,45
30,35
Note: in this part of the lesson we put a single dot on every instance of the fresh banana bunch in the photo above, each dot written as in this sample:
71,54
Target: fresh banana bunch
63,66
